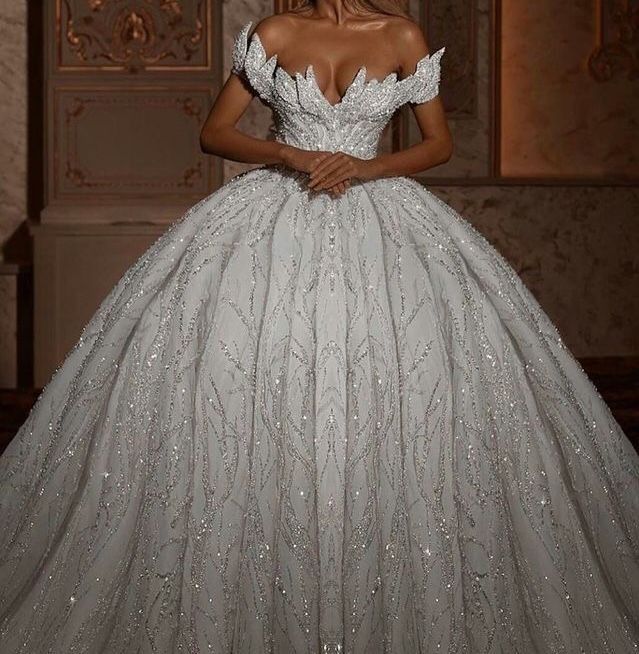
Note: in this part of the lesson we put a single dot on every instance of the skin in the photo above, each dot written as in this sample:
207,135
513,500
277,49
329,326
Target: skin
336,42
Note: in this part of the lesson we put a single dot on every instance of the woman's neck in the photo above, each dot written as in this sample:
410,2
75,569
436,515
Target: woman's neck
334,10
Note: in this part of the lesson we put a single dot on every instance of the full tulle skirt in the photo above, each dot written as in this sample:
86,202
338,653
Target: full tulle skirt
301,424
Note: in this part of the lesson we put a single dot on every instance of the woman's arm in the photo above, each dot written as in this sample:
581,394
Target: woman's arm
435,148
220,136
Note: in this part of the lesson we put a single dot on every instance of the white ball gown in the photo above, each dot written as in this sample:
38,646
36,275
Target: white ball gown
301,424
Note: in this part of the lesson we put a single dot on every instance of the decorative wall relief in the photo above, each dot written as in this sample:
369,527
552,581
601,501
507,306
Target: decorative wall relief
467,89
128,84
107,142
617,51
134,34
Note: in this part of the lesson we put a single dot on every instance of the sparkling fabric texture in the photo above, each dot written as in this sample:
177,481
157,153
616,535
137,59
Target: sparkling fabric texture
301,424
306,119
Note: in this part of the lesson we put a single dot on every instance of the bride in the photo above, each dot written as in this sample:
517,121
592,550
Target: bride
321,413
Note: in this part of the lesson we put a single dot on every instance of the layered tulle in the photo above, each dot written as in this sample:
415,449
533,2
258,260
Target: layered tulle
300,424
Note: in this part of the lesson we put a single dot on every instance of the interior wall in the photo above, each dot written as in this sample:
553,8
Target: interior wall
13,124
561,116
14,241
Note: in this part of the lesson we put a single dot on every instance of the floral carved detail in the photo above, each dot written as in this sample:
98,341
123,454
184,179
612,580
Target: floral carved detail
134,34
618,49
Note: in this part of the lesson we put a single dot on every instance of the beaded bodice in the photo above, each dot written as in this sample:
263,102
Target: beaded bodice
305,118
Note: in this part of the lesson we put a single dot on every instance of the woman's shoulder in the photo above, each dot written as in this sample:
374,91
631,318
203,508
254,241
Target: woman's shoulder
408,42
404,32
274,31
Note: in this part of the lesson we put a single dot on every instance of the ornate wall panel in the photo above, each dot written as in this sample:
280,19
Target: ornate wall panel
128,84
617,50
119,142
557,123
131,35
467,29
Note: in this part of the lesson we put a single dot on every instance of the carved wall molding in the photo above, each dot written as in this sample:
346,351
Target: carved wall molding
131,159
617,51
133,35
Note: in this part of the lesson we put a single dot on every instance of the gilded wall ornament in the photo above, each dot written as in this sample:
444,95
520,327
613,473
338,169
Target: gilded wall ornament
618,49
133,34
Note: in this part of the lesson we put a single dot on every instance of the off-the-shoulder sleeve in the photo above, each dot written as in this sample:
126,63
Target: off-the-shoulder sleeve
250,62
425,79
240,49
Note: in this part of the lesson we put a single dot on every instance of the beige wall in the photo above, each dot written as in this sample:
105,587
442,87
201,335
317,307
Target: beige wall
13,177
557,119
13,120
574,245
576,250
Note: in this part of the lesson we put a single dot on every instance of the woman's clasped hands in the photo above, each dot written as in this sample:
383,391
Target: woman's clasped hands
328,171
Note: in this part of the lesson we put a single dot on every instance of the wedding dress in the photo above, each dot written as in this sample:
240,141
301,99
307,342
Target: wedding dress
304,424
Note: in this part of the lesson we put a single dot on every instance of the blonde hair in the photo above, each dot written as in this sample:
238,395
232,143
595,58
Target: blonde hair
390,7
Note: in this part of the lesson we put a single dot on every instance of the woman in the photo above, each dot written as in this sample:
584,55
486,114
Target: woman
321,413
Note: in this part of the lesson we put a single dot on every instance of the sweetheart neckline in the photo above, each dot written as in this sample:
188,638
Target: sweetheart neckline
309,73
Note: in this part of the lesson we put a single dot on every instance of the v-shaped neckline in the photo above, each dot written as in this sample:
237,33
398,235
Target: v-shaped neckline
361,72
309,74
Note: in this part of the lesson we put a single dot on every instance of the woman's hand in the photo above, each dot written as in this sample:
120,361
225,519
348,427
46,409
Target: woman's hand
307,160
340,188
340,167
302,160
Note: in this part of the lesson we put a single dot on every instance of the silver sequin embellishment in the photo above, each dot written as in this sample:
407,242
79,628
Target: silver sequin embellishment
306,425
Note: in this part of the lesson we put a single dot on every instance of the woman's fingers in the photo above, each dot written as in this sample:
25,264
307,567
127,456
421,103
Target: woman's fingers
318,161
326,166
340,188
334,177
333,172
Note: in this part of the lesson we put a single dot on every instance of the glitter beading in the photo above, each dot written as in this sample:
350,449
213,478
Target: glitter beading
302,425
